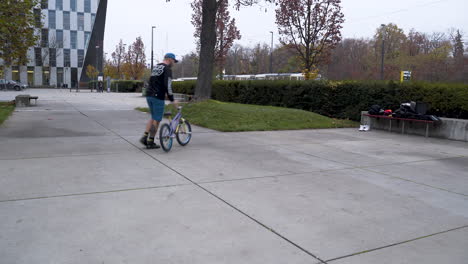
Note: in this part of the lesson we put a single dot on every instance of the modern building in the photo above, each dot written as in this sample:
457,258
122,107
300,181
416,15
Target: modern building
71,37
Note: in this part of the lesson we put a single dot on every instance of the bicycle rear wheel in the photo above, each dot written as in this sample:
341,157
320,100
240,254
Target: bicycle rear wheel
165,137
184,133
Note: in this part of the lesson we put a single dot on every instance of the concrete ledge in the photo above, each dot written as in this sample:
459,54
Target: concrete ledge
450,128
22,100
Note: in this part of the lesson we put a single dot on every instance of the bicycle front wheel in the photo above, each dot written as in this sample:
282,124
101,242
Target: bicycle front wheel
184,133
165,137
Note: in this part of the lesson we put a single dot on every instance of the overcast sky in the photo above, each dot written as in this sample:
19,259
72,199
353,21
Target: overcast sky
128,19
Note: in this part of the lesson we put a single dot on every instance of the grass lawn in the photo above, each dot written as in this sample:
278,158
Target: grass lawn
5,110
231,117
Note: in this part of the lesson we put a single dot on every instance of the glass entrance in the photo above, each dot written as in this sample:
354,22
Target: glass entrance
45,75
59,77
74,77
30,76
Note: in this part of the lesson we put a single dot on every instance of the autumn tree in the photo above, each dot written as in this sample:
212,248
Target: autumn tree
111,70
226,30
135,60
313,27
92,74
118,57
394,38
17,23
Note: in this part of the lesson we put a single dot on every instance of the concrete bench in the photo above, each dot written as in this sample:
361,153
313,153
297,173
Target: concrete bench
24,100
449,128
403,120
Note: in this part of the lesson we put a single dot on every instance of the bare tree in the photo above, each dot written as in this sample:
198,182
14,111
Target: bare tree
312,27
226,30
208,45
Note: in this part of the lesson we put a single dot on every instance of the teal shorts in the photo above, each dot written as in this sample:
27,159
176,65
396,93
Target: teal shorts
156,107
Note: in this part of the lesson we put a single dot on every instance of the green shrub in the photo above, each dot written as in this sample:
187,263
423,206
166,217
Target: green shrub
185,87
345,99
121,86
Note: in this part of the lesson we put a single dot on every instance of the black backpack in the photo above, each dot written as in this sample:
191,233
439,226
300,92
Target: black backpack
376,110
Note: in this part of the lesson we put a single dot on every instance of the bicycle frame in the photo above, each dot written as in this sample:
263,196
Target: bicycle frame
174,124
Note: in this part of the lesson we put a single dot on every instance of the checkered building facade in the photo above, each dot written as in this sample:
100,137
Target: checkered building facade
71,37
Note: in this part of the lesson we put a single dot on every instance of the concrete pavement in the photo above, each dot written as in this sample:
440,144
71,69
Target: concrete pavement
76,187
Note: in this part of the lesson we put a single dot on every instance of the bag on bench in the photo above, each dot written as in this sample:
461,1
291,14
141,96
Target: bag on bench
413,110
376,110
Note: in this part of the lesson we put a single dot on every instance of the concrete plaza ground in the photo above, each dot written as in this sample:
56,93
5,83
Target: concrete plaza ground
76,187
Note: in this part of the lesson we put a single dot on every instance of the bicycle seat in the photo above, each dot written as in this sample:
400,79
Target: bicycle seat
167,114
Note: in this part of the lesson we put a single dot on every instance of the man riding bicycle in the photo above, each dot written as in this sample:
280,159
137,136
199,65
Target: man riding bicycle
160,84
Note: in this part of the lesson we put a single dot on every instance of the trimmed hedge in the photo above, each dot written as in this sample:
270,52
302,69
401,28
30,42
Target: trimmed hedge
124,86
344,99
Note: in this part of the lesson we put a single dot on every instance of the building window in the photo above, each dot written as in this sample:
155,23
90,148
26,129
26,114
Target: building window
80,21
52,23
86,36
59,4
44,4
45,38
45,75
53,57
59,39
66,20
73,39
15,75
38,18
93,17
87,6
38,56
73,5
80,58
66,58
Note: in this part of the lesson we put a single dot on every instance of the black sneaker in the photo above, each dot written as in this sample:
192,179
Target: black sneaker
152,145
144,141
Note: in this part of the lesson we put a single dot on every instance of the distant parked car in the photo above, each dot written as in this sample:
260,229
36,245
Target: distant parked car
12,85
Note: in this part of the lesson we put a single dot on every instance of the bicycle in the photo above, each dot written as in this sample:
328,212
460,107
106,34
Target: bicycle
178,127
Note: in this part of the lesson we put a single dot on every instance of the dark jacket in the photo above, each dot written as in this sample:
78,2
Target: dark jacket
160,82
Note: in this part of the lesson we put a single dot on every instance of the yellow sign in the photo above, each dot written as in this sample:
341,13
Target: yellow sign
405,76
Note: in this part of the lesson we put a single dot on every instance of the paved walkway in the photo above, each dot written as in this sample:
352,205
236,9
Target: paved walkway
76,187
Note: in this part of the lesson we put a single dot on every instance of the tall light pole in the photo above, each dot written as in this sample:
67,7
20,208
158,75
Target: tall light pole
271,53
383,53
97,60
152,45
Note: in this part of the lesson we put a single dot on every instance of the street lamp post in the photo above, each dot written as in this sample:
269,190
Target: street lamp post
383,53
97,66
152,45
271,53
